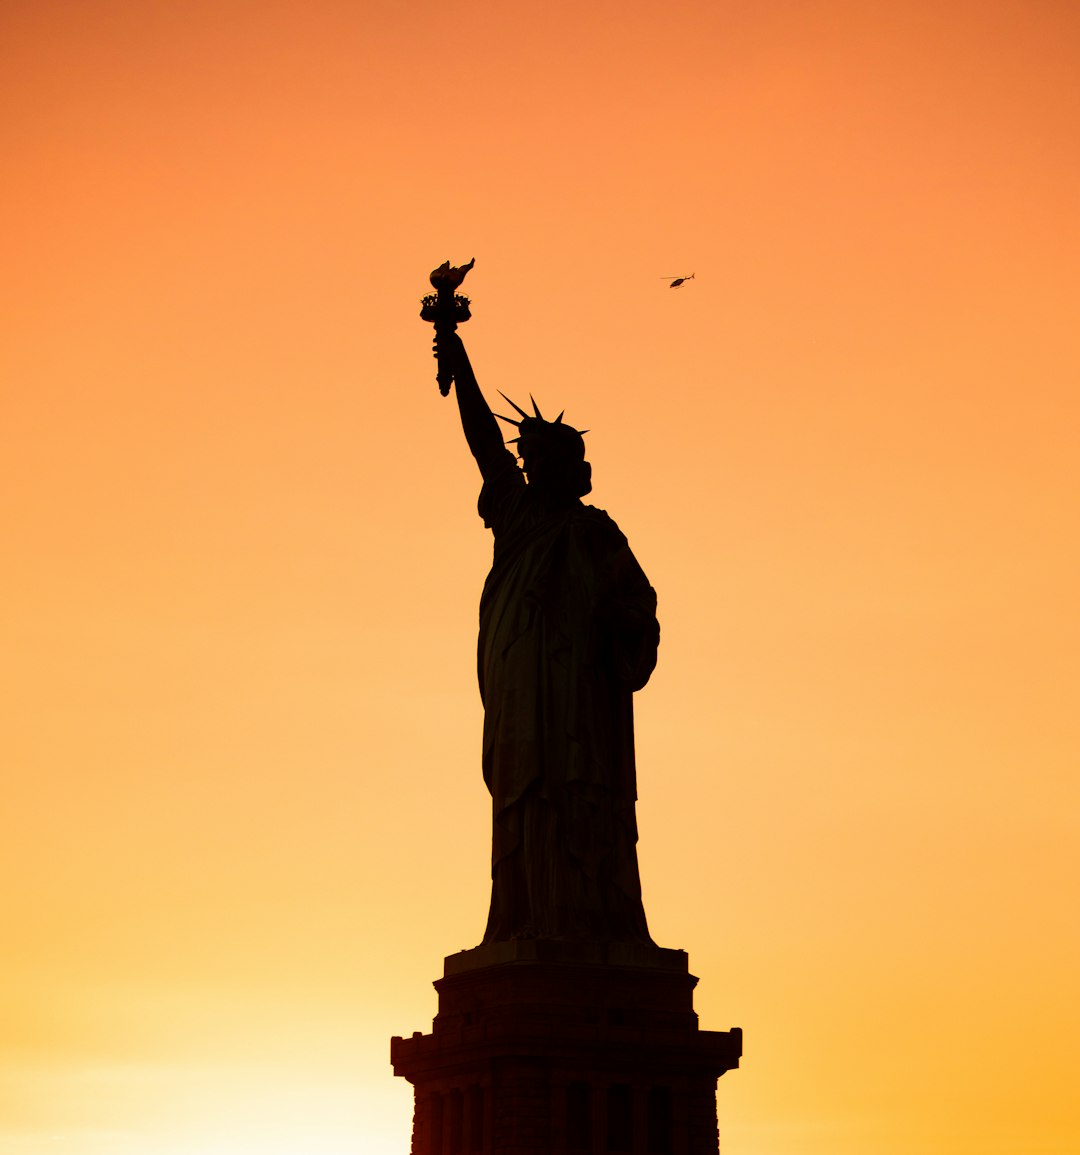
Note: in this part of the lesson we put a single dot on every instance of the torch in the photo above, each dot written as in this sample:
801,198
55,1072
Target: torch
446,309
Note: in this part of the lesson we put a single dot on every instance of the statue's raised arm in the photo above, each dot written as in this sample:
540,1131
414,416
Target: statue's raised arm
481,430
446,309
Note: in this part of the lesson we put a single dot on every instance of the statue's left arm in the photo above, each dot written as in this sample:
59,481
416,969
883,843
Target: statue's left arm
627,608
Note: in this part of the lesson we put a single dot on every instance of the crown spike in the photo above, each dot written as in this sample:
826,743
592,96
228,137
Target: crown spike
514,403
508,420
558,420
536,408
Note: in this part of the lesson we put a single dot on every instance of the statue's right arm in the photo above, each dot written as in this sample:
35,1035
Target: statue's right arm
478,422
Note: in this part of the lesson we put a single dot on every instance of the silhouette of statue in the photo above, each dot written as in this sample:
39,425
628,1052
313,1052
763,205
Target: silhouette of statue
568,632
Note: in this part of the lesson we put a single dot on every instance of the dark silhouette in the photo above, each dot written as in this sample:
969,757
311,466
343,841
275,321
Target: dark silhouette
568,632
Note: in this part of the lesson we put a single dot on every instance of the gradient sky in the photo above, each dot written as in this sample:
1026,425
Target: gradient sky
243,816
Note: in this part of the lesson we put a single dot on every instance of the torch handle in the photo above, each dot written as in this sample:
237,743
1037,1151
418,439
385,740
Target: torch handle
445,372
444,325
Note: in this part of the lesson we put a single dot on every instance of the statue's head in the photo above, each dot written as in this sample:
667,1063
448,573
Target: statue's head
552,455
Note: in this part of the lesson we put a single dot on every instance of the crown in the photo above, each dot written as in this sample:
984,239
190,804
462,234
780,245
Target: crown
534,422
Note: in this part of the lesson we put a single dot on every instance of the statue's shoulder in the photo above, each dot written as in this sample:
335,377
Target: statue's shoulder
601,521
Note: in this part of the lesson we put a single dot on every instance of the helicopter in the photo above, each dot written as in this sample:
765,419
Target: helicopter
677,282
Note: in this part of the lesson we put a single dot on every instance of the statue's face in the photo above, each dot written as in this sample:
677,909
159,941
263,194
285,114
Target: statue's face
548,469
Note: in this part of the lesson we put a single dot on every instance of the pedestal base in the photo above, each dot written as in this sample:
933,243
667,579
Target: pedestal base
544,1047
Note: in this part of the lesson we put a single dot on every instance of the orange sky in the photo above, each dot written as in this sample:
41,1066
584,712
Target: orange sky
244,819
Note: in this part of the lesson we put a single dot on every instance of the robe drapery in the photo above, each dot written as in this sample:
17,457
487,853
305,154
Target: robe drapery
568,632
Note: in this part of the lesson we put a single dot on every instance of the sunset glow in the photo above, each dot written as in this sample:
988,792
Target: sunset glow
243,814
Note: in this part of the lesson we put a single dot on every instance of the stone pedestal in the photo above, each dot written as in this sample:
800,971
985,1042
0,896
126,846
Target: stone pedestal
554,1048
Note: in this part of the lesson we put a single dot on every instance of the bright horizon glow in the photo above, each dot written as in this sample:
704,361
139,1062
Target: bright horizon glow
227,1110
243,816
